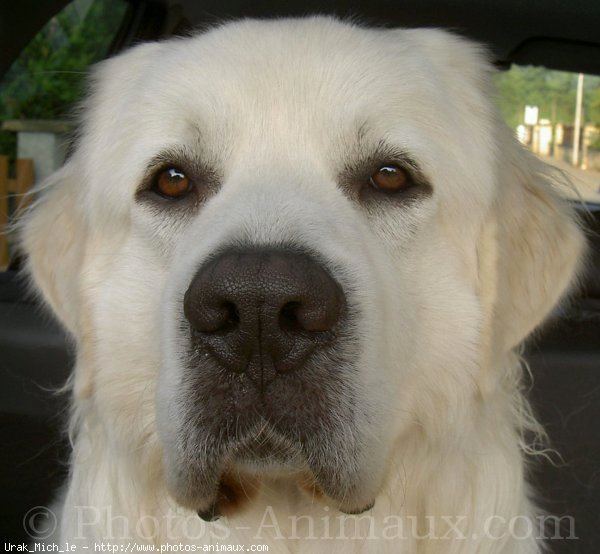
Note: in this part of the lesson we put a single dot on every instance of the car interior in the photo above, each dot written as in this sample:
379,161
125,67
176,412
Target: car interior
563,358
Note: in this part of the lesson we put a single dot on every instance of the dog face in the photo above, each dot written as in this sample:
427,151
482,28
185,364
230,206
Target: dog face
289,248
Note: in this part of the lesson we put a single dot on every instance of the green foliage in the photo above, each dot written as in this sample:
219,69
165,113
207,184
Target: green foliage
595,108
49,75
554,92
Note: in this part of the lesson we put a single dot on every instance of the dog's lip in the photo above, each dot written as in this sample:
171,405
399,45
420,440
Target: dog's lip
368,507
213,506
341,481
312,487
212,514
216,510
232,494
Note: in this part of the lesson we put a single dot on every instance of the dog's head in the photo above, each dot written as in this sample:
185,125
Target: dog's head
282,247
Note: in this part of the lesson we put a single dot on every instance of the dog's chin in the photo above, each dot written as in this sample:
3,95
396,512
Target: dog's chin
254,461
269,457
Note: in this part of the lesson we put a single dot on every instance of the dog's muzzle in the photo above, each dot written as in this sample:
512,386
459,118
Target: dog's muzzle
263,312
269,382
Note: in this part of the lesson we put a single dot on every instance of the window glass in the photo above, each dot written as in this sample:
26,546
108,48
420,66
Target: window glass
37,96
557,115
49,75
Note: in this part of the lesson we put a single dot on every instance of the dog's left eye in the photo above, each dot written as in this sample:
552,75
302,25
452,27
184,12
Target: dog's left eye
390,178
172,183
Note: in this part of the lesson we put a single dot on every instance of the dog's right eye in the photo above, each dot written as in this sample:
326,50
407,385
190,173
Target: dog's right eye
390,178
172,183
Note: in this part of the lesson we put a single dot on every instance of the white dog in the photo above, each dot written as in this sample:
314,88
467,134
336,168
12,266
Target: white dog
297,259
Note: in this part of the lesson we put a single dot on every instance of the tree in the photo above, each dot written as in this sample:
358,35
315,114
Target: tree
554,93
49,75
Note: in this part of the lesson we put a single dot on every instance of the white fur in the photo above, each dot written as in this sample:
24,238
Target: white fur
447,289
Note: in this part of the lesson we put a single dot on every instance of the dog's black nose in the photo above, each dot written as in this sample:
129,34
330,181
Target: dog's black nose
262,310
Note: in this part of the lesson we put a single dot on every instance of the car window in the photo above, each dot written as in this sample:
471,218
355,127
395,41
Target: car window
38,93
545,108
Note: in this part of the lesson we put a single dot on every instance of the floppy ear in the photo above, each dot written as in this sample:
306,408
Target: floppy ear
531,248
52,235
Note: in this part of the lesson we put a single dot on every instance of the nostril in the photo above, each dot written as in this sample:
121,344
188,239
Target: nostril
232,319
312,316
219,316
288,319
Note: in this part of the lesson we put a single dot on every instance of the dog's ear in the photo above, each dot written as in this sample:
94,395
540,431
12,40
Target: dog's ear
52,237
531,249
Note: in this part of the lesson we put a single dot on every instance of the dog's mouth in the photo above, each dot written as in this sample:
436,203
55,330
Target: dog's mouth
265,455
228,438
227,481
269,452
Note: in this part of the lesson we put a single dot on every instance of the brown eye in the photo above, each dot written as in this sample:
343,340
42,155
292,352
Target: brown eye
390,178
172,183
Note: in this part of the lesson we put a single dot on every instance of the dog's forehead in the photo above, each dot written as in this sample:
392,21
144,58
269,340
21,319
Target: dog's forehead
311,90
279,63
316,76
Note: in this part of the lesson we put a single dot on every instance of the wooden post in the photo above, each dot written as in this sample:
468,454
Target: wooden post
3,212
578,120
22,184
20,187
